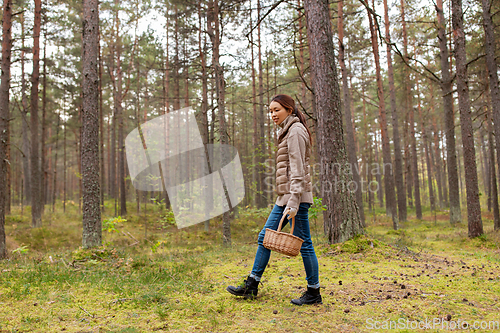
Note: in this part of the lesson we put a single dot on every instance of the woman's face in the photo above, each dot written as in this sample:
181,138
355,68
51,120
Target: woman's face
278,112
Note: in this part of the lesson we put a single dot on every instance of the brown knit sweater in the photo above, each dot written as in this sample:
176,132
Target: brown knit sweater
293,179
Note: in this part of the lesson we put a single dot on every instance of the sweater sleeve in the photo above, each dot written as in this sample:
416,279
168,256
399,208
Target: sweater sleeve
297,144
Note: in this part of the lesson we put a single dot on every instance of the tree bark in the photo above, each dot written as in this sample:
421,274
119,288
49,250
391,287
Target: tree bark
398,156
493,176
54,184
36,204
92,230
255,137
261,203
204,104
412,140
4,118
101,129
351,148
43,163
214,32
449,123
425,138
436,155
483,157
489,45
24,127
341,218
390,196
119,114
475,223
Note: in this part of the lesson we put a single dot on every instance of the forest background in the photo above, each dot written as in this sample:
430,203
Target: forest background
403,103
419,99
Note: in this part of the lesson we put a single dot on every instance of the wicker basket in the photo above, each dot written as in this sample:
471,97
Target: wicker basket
282,242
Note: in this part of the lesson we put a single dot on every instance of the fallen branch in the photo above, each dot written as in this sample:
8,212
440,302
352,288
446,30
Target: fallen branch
91,315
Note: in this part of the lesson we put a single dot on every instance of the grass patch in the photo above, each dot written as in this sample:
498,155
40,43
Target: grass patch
151,277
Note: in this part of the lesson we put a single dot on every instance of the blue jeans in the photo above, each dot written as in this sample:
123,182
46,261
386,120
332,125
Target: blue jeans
301,230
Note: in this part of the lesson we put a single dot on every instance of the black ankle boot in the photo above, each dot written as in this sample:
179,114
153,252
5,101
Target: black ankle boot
248,289
310,296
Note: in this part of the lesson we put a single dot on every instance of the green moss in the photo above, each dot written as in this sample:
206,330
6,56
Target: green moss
360,243
125,286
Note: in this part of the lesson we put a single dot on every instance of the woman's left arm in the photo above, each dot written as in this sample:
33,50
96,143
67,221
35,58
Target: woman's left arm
297,145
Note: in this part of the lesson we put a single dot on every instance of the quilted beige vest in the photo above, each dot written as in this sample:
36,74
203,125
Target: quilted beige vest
283,162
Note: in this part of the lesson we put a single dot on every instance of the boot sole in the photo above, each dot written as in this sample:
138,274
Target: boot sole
300,304
246,296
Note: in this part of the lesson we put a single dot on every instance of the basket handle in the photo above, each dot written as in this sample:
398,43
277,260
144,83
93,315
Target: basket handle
281,221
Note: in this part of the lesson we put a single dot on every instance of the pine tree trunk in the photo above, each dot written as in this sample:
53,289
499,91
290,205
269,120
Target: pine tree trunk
255,175
483,157
436,155
167,93
390,196
26,148
351,148
92,230
204,104
398,157
4,118
341,218
119,118
214,32
412,140
262,134
475,223
449,123
101,130
425,138
378,176
491,64
112,139
36,204
65,179
43,183
177,103
493,177
54,186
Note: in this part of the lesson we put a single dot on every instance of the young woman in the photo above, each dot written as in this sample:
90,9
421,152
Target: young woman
294,189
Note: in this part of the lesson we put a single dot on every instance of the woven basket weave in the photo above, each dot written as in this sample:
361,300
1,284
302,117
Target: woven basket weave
282,242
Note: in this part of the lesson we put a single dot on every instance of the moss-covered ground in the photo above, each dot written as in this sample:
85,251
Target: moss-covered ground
162,279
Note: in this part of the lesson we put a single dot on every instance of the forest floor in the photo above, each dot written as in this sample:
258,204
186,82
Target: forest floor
428,272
